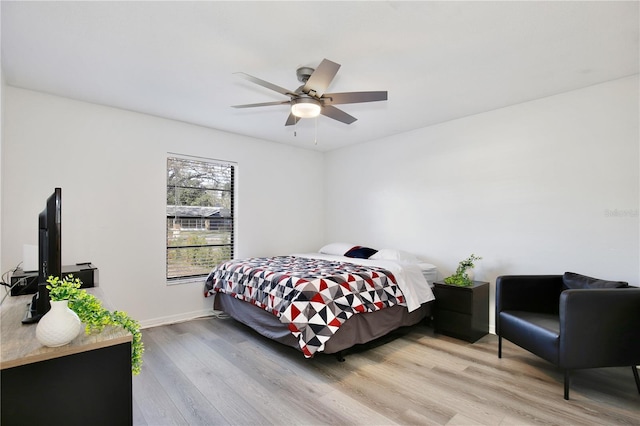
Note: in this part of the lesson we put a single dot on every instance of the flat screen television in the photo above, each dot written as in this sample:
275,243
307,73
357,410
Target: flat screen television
49,255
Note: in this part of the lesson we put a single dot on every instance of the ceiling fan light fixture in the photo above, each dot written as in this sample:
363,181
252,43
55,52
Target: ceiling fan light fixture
305,107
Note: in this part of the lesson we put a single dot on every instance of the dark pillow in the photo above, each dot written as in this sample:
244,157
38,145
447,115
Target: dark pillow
361,252
573,280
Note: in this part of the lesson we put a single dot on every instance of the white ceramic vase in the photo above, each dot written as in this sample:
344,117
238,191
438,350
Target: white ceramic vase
59,326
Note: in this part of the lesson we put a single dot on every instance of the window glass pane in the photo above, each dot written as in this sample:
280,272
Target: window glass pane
199,216
185,262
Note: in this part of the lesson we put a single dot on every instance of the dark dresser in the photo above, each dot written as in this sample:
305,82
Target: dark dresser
462,312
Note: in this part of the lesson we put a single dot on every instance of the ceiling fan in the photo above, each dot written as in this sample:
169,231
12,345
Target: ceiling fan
310,99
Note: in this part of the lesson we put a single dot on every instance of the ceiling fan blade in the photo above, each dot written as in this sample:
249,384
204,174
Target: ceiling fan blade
353,97
261,104
291,120
321,78
337,114
266,84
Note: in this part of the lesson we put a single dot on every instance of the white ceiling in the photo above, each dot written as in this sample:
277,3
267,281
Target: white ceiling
438,60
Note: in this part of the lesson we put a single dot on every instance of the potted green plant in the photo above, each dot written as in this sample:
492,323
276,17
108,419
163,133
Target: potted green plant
95,317
461,277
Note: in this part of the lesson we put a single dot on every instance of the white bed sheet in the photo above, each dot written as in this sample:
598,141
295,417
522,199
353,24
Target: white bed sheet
409,276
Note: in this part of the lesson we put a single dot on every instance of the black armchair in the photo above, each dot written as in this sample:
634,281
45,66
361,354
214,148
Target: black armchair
570,320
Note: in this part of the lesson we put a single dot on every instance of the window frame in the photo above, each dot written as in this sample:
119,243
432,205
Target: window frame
233,193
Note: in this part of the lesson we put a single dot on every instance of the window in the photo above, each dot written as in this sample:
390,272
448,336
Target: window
199,216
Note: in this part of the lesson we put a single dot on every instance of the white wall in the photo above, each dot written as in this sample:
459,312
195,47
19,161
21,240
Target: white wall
111,165
542,187
2,85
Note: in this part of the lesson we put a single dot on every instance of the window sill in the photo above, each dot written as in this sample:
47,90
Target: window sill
191,280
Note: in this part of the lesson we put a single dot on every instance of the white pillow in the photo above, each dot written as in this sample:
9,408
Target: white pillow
336,249
427,266
399,255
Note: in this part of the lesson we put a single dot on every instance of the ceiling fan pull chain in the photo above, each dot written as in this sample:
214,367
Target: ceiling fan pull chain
315,135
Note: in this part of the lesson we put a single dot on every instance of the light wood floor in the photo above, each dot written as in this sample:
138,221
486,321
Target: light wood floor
216,371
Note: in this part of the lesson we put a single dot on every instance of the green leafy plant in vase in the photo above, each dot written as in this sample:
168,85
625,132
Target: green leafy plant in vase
95,317
461,277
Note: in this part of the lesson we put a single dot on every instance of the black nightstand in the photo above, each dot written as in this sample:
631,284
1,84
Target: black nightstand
462,312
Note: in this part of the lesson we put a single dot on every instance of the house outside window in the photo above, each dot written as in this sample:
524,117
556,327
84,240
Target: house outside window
200,210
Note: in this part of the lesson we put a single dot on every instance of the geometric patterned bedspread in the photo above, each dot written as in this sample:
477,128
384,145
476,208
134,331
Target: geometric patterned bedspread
314,297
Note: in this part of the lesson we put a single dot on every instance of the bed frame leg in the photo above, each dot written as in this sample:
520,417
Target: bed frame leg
340,356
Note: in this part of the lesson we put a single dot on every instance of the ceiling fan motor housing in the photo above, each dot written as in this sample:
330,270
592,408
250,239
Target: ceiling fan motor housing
304,73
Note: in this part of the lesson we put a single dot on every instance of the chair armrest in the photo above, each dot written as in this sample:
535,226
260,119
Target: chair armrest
599,328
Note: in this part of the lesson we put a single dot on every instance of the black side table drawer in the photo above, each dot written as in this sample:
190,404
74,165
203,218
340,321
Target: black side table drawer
454,324
457,300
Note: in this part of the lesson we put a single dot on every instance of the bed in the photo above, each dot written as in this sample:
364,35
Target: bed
325,302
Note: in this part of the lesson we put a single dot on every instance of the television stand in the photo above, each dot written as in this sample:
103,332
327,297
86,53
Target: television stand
31,315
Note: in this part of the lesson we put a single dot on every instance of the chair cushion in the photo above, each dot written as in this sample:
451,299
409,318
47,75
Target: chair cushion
539,333
571,280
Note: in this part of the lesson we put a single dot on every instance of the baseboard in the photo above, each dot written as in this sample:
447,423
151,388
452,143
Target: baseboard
172,319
